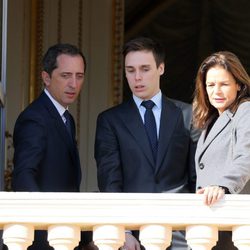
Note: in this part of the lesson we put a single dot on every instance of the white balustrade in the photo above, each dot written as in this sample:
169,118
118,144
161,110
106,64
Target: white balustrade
108,237
241,237
155,237
64,237
18,236
108,215
201,237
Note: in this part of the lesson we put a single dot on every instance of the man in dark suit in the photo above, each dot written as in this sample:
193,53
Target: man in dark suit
128,159
46,156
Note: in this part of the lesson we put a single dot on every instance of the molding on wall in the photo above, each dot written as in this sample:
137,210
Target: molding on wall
36,48
79,39
117,59
59,21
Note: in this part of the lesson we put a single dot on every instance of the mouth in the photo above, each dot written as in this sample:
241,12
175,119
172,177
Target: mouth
219,99
70,94
139,87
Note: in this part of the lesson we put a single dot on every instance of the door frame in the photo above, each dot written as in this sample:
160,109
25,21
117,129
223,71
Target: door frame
3,91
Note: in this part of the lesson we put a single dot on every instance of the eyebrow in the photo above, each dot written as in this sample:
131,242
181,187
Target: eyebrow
141,66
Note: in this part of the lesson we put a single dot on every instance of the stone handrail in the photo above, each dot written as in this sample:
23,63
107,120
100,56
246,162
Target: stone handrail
64,215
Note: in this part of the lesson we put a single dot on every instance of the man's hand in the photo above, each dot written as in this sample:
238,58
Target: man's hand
131,243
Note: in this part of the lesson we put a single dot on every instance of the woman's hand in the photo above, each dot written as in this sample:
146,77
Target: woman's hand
211,194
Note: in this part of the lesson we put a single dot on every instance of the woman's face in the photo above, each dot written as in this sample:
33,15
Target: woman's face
221,88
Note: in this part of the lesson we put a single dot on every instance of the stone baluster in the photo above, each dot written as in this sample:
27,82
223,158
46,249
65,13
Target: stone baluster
18,236
155,237
64,237
108,237
201,237
241,237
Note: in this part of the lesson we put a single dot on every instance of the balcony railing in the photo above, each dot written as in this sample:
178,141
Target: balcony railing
64,215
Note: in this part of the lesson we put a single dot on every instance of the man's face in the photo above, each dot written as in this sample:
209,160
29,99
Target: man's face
142,73
66,80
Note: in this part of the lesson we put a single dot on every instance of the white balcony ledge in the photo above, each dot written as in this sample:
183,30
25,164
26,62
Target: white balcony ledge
109,214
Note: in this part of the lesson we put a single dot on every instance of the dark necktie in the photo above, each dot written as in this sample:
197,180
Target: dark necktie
68,123
150,125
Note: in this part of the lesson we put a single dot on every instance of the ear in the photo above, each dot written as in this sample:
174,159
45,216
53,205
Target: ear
161,68
238,87
46,78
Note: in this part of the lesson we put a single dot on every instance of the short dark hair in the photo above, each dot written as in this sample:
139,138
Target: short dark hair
148,44
50,58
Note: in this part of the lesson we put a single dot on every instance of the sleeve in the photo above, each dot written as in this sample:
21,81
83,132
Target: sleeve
238,173
107,155
30,145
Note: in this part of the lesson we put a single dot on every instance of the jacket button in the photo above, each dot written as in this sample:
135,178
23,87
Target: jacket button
201,165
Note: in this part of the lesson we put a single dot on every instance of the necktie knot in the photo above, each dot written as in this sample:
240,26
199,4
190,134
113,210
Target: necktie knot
66,115
148,104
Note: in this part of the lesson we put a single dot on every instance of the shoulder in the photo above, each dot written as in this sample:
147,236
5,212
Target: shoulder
243,112
185,107
118,109
35,111
243,109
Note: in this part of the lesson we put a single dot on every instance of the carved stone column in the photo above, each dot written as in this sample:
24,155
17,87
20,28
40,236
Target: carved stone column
241,237
155,237
109,237
18,236
63,237
201,237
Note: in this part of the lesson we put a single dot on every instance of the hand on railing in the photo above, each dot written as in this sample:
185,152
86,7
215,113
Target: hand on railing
211,194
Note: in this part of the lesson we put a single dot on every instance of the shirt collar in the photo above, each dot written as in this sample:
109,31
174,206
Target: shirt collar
58,106
156,99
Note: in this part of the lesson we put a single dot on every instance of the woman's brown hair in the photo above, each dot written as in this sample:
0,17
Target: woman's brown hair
203,111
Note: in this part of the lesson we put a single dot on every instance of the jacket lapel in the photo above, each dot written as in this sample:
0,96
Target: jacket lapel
169,117
61,128
216,129
132,120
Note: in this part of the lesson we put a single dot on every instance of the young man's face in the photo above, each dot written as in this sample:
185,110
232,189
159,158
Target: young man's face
142,74
66,80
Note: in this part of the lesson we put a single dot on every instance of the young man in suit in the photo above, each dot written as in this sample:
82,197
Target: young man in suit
130,158
46,156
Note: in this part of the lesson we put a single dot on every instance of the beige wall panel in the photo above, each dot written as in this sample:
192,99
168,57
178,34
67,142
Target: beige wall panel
17,59
96,93
50,23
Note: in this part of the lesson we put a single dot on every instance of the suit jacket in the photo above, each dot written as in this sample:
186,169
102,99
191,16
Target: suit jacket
223,157
124,158
46,158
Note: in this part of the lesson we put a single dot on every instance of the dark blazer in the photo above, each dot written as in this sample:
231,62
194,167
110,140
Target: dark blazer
124,158
46,158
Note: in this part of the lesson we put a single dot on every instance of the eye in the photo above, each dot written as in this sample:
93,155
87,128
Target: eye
209,84
130,70
66,75
145,69
80,76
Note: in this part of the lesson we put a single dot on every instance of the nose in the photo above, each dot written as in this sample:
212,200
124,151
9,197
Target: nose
137,75
217,88
73,82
